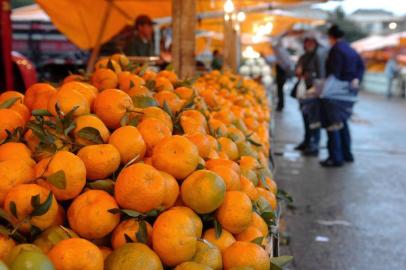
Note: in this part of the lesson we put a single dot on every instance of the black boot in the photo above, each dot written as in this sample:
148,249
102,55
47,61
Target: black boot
302,146
329,163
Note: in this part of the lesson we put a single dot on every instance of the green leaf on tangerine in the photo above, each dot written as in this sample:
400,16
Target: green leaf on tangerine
9,102
142,234
13,209
42,208
218,229
92,134
57,179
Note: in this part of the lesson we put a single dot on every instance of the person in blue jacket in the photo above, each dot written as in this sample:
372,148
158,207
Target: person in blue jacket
344,66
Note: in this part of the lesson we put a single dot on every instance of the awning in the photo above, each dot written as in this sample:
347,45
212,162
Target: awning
377,42
82,20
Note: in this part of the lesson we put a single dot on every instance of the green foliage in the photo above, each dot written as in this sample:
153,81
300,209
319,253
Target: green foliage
21,3
92,134
9,102
106,185
41,208
144,102
351,29
142,234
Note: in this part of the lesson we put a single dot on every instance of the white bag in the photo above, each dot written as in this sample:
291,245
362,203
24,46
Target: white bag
301,90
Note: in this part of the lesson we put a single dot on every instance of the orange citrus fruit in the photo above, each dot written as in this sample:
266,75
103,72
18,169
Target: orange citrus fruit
225,240
90,121
12,173
111,105
197,222
129,227
67,100
129,142
258,222
140,187
101,160
205,185
158,113
76,253
153,131
269,196
21,196
229,147
171,191
133,256
230,177
88,214
174,237
192,266
176,155
208,254
242,254
127,80
67,166
38,95
104,78
235,213
9,120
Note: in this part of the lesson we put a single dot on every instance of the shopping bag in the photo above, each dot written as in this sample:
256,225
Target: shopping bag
301,90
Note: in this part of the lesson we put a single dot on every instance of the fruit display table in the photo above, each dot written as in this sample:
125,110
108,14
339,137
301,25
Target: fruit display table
127,167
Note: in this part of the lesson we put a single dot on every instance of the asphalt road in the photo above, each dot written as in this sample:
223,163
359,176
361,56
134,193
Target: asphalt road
352,217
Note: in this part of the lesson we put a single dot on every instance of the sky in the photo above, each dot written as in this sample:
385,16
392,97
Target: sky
396,6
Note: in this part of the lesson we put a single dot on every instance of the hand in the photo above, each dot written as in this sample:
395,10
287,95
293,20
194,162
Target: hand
355,84
299,71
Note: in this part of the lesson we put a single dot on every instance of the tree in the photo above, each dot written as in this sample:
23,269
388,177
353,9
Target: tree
20,3
351,29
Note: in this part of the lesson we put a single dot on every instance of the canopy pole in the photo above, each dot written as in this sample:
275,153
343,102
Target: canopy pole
6,46
96,49
232,44
183,46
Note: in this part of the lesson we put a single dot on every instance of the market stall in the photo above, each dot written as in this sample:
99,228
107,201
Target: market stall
123,166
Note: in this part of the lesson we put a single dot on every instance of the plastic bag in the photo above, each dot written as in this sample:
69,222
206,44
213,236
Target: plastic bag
301,90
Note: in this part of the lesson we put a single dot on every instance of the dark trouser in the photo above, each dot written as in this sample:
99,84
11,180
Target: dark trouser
339,144
280,82
311,136
346,141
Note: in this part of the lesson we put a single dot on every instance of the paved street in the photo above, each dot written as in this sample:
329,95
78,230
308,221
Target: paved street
352,217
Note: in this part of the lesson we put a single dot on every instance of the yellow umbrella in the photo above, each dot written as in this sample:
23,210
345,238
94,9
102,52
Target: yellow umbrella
88,22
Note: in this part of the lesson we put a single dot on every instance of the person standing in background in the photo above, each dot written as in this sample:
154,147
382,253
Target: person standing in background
344,70
284,69
391,72
217,61
140,42
310,67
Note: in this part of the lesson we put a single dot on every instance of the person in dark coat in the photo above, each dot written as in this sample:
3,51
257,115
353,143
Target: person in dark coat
310,67
217,61
140,42
134,40
344,70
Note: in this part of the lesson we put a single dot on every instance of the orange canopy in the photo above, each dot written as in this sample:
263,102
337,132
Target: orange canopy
82,20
